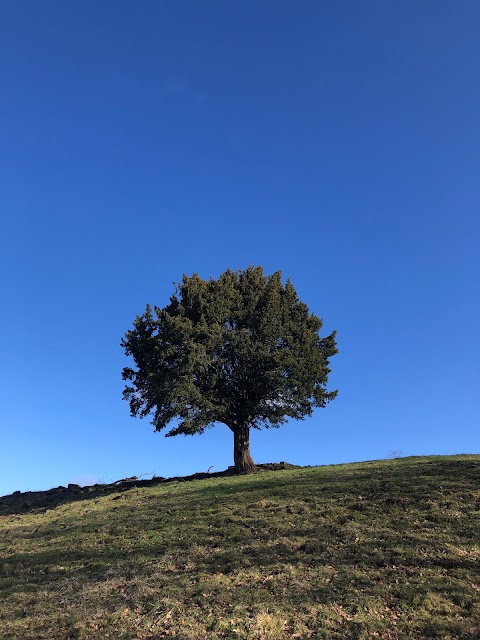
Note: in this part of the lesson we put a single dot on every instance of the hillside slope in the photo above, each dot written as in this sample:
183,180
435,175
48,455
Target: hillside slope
386,549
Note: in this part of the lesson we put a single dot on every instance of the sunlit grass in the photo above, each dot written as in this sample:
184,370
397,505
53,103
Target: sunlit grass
385,549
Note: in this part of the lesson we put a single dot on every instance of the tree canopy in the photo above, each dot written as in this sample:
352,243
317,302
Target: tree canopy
241,350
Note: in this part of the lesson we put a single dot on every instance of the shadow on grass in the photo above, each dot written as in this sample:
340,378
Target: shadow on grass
356,567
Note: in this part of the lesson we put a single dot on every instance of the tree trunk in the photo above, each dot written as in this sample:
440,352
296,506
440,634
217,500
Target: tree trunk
241,450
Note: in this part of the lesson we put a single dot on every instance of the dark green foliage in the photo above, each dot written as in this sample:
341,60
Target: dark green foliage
241,350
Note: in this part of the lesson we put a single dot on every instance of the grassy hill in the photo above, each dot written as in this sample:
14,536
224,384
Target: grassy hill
386,549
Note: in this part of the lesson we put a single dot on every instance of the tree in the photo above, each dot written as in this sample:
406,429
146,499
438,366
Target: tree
241,350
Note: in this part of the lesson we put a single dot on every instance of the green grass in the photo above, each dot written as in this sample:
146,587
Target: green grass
386,550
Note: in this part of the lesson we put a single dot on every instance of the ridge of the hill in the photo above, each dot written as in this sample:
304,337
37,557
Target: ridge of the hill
37,501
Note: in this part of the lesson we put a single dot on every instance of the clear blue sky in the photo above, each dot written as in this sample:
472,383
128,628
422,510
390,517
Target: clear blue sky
338,142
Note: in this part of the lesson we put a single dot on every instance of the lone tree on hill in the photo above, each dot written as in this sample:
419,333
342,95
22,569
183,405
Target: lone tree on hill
241,350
